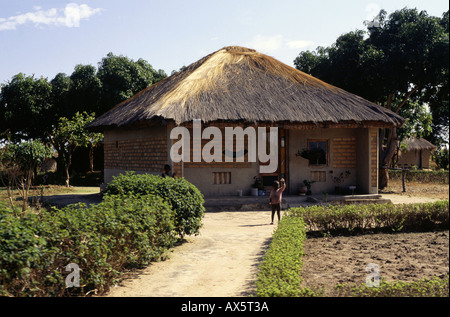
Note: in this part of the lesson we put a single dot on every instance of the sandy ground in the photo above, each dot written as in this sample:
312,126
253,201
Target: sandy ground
220,262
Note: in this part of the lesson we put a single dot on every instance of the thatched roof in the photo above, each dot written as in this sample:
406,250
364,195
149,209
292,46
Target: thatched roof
240,84
414,143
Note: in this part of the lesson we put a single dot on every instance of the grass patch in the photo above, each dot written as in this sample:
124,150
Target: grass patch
426,287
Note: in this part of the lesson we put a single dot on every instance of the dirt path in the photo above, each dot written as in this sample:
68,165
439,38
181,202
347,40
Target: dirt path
220,262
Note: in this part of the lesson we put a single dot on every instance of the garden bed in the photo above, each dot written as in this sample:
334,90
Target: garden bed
406,243
333,260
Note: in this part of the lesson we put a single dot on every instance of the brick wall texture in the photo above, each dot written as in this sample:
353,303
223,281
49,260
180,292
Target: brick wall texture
146,154
373,159
344,152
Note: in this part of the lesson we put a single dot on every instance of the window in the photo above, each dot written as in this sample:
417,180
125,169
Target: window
221,178
319,176
318,152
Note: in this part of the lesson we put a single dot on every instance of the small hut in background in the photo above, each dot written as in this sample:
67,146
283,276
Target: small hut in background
418,153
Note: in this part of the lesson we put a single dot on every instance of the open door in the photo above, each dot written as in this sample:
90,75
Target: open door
281,172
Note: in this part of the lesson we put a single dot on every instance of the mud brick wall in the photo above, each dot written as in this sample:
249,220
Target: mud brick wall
146,154
374,159
344,152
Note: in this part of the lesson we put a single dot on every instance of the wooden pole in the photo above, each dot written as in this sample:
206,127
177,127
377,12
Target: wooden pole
403,180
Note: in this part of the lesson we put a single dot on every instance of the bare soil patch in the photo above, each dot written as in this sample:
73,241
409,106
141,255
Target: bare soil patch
330,261
417,190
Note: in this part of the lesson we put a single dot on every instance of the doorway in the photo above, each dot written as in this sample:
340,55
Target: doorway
282,168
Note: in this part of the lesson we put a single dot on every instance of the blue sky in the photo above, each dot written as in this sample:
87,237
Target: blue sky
47,37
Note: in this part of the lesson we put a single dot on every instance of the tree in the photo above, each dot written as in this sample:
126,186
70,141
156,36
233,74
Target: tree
394,64
25,107
85,90
19,162
122,78
70,134
60,96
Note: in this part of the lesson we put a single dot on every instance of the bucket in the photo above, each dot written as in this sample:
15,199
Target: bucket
254,191
239,193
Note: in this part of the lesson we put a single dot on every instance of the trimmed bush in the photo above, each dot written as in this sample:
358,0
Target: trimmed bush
425,287
104,240
375,217
184,198
279,273
421,176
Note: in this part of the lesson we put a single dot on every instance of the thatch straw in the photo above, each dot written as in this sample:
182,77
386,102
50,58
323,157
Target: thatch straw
240,84
414,143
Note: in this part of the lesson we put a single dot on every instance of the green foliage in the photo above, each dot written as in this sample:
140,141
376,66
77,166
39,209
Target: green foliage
69,134
279,273
441,158
123,77
400,62
434,287
27,155
25,107
375,217
103,240
30,107
184,198
422,176
17,165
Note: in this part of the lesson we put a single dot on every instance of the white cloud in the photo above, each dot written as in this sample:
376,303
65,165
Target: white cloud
70,16
299,44
266,43
277,42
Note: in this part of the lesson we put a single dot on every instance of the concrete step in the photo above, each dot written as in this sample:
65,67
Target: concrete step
254,203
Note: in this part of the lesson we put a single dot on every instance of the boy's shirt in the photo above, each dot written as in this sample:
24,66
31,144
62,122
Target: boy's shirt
276,195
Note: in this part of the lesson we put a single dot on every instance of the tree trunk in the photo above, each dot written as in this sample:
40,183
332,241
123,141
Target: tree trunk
67,163
386,155
91,158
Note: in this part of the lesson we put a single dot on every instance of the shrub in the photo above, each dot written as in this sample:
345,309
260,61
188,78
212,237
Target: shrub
425,287
184,198
103,240
279,273
422,176
374,217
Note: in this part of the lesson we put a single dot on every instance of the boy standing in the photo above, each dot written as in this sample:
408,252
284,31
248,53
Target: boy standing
276,195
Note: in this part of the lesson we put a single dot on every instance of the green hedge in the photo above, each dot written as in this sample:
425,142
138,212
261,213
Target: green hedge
375,217
279,273
421,176
103,240
184,198
434,287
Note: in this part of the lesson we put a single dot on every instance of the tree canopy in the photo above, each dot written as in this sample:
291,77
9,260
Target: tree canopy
30,106
400,62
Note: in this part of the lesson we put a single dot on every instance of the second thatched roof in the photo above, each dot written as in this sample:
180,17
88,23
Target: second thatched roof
416,144
240,84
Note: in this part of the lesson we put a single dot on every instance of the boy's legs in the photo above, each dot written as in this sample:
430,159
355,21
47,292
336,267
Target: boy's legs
273,212
279,211
276,207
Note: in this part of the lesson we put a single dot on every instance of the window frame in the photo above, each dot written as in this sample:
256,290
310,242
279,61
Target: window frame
327,154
